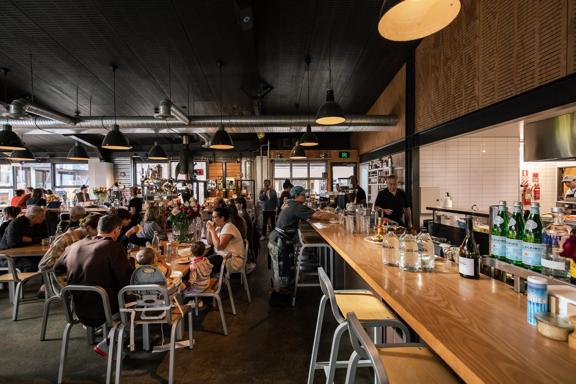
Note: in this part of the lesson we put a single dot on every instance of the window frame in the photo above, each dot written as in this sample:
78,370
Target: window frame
293,179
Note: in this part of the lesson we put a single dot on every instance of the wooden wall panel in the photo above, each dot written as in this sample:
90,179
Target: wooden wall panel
233,170
494,50
571,32
215,170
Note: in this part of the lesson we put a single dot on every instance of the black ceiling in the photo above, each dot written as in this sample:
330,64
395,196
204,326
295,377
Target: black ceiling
73,43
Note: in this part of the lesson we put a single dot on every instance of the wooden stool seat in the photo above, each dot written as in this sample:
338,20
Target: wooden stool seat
7,277
365,305
414,365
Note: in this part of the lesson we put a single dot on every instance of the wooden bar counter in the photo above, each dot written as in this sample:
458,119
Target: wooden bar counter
478,327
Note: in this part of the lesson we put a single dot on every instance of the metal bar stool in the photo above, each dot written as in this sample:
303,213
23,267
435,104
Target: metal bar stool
367,307
313,241
394,363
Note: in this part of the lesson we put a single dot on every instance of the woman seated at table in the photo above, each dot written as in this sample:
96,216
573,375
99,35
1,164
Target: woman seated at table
88,227
152,222
37,198
236,219
10,213
226,239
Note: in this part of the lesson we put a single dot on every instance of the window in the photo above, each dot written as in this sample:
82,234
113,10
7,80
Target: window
310,175
341,174
35,175
73,175
160,170
6,184
199,168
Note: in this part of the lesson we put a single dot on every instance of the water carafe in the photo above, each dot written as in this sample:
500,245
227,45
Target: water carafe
409,255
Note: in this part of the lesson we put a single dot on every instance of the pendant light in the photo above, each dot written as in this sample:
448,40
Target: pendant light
221,139
157,153
9,140
330,113
415,19
114,139
297,152
308,139
78,153
24,155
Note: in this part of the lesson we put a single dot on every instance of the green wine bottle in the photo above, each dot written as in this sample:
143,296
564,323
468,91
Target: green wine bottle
499,232
533,248
515,235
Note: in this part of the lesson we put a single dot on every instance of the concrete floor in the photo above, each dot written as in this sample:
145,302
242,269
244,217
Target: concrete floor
264,345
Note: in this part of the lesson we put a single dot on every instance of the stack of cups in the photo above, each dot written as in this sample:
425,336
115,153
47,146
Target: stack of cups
537,297
350,223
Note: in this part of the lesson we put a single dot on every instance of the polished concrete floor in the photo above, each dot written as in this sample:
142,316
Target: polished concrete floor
264,345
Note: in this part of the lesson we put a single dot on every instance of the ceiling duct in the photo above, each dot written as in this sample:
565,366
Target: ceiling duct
163,110
48,114
16,110
179,115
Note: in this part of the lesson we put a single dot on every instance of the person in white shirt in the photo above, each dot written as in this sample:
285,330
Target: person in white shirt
571,192
226,239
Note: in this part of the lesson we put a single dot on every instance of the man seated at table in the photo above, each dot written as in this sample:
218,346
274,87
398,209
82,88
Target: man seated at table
77,213
10,213
101,261
24,198
22,231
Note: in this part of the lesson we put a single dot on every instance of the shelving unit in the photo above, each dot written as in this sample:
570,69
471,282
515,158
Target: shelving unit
378,171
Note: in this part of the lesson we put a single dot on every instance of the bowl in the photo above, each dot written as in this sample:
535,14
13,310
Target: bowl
554,327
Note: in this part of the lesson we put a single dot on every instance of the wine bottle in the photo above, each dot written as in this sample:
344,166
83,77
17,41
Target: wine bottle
514,235
532,247
469,255
499,232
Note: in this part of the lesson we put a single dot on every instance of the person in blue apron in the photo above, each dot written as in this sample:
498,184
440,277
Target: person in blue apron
282,238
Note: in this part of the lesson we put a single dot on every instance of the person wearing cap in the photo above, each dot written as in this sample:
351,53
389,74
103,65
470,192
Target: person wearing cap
284,234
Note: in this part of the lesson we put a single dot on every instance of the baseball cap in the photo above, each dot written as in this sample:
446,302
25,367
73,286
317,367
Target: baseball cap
298,190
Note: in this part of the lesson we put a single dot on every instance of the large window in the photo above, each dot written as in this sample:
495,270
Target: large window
310,175
35,175
69,178
6,183
158,170
341,174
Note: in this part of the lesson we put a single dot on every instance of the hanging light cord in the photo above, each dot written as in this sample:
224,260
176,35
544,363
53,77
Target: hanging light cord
5,71
308,90
32,78
221,102
169,76
77,112
330,62
114,89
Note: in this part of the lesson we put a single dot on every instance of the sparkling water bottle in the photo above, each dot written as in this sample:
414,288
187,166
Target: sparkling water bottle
499,232
533,249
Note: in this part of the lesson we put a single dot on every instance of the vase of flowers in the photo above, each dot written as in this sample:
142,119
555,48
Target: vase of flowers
181,216
101,194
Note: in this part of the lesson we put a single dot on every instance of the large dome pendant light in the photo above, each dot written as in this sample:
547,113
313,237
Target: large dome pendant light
297,152
114,139
157,153
308,139
78,153
330,113
221,139
415,19
9,140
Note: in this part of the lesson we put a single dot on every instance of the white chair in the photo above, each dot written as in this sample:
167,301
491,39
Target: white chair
242,272
366,306
66,295
52,295
153,305
213,291
394,363
17,279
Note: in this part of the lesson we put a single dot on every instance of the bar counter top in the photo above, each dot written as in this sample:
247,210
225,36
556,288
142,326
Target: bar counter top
478,327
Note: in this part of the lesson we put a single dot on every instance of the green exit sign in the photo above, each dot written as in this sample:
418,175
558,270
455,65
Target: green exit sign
344,155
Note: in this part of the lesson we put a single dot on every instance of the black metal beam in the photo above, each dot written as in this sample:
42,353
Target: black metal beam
389,149
411,153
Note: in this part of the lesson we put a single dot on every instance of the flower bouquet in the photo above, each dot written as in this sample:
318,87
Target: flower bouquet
181,216
101,193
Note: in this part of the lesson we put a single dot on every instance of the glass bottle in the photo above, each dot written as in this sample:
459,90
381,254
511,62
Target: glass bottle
514,235
532,247
426,250
409,256
498,232
390,248
379,229
469,255
156,242
554,237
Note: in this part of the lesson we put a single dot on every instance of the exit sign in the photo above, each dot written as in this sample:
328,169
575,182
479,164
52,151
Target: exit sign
344,155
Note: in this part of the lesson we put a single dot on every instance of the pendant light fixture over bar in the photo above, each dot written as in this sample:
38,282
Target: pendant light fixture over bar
24,155
9,140
157,153
415,19
330,113
308,139
221,139
114,139
297,152
78,153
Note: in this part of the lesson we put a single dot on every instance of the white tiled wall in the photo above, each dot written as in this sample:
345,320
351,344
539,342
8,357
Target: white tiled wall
475,170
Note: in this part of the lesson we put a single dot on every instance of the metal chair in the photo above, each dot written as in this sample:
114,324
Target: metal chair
153,305
396,363
52,295
367,307
325,258
13,277
242,272
213,291
66,295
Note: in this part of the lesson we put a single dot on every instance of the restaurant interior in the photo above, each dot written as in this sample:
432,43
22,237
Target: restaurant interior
250,191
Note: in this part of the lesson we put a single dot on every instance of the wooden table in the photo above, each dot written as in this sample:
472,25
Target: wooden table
28,251
478,327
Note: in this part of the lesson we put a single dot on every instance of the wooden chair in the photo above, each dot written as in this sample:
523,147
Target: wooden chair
17,279
394,363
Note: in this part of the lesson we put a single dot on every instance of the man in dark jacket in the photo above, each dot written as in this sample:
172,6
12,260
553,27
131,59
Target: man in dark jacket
22,231
101,261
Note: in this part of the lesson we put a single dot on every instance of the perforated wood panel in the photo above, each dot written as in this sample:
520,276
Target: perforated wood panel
233,170
571,32
494,50
215,170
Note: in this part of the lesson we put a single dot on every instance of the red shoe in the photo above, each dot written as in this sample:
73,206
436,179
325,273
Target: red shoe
101,348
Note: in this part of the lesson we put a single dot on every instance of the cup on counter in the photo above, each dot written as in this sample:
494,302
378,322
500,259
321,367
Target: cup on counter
349,224
537,297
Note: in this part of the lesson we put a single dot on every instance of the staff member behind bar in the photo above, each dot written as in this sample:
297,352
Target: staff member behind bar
269,200
394,203
358,195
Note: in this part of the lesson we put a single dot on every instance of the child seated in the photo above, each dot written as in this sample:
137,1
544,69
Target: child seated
200,270
147,256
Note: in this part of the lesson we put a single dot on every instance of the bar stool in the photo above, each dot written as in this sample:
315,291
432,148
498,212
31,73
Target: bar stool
367,307
325,254
394,363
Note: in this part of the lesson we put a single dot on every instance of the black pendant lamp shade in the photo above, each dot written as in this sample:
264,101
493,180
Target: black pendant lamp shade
309,138
115,140
9,140
157,153
297,152
221,139
24,155
78,153
330,113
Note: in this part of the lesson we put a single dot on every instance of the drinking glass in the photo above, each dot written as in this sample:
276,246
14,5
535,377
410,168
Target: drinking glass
350,223
367,224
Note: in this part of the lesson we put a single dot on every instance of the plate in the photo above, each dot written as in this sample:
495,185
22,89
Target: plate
183,260
372,240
